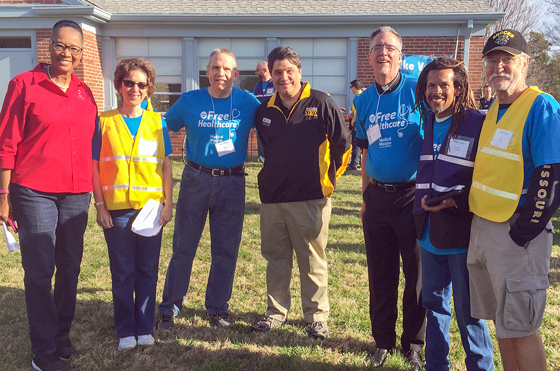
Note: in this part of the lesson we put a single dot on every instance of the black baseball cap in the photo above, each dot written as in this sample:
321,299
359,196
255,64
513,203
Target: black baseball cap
509,41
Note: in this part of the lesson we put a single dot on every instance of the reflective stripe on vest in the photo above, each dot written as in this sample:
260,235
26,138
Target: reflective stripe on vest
131,173
498,172
455,160
115,158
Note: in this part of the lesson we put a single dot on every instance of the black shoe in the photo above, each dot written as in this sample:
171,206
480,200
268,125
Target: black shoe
65,349
221,320
413,358
379,357
49,362
166,322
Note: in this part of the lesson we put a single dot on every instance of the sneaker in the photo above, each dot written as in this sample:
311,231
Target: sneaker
266,324
319,330
221,320
65,349
166,322
146,340
49,362
128,342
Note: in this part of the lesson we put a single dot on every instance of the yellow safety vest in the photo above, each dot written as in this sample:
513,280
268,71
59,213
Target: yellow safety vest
498,168
130,169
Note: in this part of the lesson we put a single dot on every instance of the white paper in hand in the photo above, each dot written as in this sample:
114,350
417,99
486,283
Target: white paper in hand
147,221
10,240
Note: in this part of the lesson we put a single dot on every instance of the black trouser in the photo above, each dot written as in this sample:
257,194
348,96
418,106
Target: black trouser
389,232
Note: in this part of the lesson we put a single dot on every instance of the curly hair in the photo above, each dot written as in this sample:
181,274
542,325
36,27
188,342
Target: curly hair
125,66
462,102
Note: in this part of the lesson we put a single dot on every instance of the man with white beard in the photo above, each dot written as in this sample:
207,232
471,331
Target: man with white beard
514,194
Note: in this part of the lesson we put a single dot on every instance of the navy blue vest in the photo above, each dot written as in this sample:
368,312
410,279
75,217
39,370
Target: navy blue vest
261,93
452,169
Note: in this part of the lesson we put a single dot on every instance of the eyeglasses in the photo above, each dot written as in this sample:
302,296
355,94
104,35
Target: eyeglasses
130,84
493,62
379,48
59,47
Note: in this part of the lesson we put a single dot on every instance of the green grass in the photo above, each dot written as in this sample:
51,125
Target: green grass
194,345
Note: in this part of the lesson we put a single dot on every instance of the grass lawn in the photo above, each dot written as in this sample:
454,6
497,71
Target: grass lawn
194,345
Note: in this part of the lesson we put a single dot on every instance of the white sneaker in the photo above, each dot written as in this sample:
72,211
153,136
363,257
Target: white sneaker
146,340
128,342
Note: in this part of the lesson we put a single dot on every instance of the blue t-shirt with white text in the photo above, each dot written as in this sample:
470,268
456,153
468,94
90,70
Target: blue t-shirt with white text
208,121
394,157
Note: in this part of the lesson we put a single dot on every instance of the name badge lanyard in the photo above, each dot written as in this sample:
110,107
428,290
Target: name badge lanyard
373,134
225,146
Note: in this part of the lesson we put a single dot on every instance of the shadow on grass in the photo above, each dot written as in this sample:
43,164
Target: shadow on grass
353,247
252,208
353,209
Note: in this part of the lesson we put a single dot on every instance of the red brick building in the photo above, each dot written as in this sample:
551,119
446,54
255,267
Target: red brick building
177,37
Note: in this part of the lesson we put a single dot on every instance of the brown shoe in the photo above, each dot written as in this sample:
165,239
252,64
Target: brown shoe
319,330
266,324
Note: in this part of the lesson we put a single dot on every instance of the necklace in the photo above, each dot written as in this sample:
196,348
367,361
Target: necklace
57,84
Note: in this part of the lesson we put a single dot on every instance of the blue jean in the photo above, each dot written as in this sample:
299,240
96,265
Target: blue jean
223,199
51,234
134,261
440,273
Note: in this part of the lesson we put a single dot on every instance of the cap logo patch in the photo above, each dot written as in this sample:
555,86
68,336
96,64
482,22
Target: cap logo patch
502,38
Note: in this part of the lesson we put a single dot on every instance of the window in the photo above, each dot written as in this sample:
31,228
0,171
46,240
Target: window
324,64
165,54
248,52
15,42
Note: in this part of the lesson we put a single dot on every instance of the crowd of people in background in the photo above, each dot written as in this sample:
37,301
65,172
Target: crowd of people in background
464,199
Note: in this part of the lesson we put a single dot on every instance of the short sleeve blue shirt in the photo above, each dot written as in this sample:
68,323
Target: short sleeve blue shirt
209,120
394,157
541,136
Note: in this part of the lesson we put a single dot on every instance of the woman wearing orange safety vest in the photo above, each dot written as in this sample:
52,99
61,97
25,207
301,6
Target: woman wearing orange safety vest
130,167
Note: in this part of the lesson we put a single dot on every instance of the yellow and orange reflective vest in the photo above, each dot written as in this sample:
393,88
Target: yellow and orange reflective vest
498,169
130,169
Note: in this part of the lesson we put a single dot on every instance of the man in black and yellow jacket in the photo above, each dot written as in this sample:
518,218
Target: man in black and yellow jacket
306,148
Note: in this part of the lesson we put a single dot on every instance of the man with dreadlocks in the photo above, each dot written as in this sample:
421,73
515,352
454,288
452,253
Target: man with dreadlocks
452,127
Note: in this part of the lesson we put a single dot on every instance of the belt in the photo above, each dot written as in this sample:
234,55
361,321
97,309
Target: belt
393,187
235,171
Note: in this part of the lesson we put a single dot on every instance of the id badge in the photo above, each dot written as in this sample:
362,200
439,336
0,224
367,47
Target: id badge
458,148
502,138
147,147
373,134
224,148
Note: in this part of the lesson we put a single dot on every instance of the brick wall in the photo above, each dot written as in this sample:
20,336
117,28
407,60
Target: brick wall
434,47
89,71
90,68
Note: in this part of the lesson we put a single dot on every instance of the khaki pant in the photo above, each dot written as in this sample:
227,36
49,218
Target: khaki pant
508,282
301,226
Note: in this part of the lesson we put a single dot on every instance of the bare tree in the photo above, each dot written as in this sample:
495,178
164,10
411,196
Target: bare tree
521,15
551,26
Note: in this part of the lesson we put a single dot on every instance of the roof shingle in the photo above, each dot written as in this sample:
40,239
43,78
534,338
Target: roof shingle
303,7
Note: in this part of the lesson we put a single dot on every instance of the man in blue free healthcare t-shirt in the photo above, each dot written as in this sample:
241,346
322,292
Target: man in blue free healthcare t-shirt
387,128
217,122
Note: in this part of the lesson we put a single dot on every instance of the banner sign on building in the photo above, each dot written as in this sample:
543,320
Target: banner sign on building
414,64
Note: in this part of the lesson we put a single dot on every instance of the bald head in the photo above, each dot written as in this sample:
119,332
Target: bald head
262,71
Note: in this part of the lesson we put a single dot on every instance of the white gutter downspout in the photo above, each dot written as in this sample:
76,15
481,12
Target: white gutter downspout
468,32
